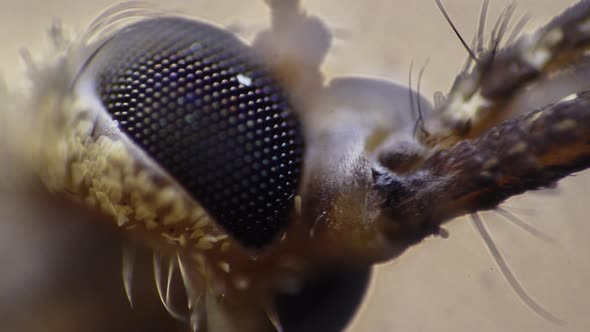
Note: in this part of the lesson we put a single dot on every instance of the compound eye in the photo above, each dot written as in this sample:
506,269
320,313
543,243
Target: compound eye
199,102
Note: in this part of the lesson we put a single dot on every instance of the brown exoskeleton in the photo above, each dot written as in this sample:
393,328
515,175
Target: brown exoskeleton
370,186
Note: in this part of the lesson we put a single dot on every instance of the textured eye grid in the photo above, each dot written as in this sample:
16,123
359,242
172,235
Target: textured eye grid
197,101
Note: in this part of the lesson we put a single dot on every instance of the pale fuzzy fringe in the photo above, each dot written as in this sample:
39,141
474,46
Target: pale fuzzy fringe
32,111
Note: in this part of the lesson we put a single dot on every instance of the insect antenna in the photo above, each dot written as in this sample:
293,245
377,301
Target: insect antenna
443,11
507,272
522,224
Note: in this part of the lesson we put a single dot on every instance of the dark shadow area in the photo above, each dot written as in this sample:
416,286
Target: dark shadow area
72,280
327,303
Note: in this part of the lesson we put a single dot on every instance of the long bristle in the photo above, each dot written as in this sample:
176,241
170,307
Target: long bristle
273,316
194,304
500,27
482,27
190,291
171,268
160,289
128,268
444,12
507,273
523,225
520,24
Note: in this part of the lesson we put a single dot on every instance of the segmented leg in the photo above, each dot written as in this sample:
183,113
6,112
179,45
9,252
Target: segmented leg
481,161
480,96
529,152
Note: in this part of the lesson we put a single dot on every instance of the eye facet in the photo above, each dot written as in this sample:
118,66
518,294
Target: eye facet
197,101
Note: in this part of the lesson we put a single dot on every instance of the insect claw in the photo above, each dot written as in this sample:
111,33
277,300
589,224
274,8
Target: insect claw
128,265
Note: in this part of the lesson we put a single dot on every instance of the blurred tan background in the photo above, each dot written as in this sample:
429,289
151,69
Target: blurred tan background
442,285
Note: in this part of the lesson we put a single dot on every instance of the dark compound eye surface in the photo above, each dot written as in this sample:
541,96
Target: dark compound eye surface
201,104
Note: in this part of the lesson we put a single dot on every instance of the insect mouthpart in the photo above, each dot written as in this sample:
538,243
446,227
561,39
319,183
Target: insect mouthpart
197,101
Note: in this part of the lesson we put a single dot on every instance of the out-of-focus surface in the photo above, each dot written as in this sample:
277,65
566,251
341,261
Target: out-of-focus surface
443,285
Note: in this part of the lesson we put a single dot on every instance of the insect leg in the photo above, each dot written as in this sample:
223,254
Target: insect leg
528,152
480,95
